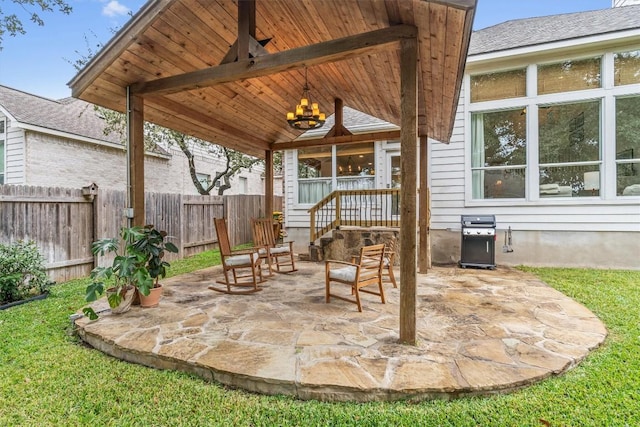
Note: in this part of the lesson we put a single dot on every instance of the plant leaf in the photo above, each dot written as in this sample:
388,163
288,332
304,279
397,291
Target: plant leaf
90,313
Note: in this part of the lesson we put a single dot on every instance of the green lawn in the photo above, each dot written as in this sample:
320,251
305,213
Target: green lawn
47,378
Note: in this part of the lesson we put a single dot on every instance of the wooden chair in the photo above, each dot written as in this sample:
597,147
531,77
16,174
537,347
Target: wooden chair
265,239
368,271
241,267
389,259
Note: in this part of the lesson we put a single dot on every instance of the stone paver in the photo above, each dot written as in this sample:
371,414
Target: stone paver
479,331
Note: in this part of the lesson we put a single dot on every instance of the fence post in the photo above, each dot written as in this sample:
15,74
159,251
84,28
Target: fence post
90,192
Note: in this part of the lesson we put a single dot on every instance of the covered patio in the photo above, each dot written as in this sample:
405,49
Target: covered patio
479,332
229,72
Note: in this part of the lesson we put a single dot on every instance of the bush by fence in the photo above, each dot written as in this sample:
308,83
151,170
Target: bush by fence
64,222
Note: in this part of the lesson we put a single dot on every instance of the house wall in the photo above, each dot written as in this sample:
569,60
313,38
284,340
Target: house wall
583,232
62,162
297,216
15,153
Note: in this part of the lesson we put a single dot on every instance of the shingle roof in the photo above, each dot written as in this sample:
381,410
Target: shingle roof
68,115
546,29
352,119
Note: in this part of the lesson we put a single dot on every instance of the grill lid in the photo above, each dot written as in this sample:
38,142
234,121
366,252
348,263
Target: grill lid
478,220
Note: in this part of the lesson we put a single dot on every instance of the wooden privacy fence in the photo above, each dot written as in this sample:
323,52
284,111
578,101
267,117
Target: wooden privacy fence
64,222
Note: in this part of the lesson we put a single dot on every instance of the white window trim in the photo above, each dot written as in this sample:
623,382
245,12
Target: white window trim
3,137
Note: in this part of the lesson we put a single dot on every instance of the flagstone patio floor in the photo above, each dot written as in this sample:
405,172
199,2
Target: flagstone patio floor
479,332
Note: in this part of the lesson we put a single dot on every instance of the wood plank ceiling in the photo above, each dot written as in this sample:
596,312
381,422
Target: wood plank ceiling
173,37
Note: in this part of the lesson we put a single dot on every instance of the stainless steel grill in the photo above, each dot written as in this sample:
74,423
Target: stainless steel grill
478,248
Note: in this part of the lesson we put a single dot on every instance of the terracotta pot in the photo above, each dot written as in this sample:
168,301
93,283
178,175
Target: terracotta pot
153,299
127,298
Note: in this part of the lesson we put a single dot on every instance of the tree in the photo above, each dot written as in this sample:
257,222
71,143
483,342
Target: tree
12,23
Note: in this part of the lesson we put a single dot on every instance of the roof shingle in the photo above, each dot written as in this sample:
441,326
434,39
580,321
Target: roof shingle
68,115
547,29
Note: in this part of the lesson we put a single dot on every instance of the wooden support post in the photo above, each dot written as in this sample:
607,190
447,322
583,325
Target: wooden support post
246,26
338,128
135,158
268,183
424,252
338,113
408,166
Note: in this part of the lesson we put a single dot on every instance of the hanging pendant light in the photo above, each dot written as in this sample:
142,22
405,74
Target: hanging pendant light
307,114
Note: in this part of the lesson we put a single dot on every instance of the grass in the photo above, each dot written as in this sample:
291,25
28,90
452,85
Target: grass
47,378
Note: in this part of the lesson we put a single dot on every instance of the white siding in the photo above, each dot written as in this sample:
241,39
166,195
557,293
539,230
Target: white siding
15,160
295,216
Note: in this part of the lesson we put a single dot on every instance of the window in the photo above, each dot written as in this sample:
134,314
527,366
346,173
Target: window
355,166
571,132
499,154
244,185
502,85
569,75
314,174
569,149
204,179
628,146
626,68
2,150
343,167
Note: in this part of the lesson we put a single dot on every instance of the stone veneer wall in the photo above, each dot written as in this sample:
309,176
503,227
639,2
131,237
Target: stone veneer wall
346,243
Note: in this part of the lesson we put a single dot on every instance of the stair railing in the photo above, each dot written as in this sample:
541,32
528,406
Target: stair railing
358,208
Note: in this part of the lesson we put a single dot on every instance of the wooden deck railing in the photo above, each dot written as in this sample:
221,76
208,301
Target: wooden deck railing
363,208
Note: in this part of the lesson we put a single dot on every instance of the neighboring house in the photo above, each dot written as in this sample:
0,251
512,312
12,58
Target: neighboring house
547,138
61,143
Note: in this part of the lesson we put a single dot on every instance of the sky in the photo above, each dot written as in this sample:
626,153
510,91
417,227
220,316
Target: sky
40,61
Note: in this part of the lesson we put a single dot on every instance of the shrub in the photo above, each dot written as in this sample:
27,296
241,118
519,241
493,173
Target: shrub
22,272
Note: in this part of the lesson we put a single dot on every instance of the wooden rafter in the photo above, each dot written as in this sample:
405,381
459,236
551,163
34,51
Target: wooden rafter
337,140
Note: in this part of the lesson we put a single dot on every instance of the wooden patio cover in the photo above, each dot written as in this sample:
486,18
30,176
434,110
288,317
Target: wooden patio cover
227,71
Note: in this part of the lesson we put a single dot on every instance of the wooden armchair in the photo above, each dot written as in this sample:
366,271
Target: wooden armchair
368,271
388,260
241,267
265,239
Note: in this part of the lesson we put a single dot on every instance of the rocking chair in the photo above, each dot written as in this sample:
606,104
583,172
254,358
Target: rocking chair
273,253
237,264
368,271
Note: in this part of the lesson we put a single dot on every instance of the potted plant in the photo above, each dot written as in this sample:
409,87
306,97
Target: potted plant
137,269
150,245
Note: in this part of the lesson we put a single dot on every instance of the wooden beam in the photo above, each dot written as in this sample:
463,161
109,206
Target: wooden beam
246,26
321,53
336,140
256,48
338,128
424,249
135,158
408,166
268,183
